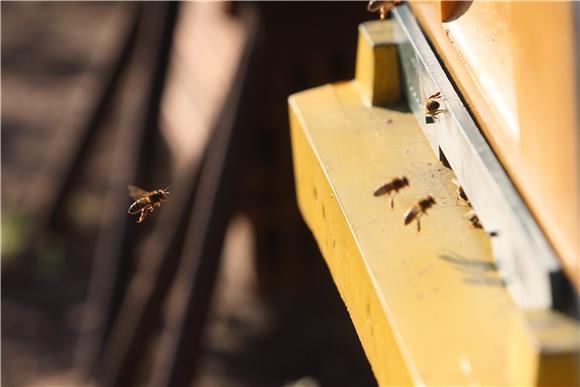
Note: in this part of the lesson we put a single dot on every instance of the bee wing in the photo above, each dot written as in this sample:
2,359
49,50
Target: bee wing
383,189
135,192
411,214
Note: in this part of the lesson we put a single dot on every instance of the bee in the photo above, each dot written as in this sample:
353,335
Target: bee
145,201
460,193
418,210
392,187
432,107
382,6
472,217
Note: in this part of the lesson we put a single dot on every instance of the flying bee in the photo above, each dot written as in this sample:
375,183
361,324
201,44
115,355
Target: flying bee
460,193
432,107
382,6
392,187
418,210
472,217
145,201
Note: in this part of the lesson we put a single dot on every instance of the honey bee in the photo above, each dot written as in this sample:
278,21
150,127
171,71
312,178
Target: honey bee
382,6
472,217
460,193
392,187
432,107
418,210
145,201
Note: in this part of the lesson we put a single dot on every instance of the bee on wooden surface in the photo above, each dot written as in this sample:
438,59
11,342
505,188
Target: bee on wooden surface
460,193
392,187
382,6
145,201
472,218
418,210
432,107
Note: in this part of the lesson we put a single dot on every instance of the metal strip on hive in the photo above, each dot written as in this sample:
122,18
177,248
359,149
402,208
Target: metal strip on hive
521,250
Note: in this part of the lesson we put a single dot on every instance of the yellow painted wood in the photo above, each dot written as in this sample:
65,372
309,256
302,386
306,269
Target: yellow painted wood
429,307
377,68
557,338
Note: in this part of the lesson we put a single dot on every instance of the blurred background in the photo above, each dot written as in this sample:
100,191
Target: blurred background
222,285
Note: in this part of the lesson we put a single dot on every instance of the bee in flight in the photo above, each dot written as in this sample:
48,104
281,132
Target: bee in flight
392,187
432,106
418,210
145,201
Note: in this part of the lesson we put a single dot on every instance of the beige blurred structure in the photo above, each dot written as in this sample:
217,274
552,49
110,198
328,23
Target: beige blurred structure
206,50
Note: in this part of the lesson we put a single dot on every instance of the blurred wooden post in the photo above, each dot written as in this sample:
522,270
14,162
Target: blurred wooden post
113,263
212,209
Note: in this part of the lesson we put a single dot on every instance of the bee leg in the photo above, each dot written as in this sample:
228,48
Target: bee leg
418,224
392,200
143,215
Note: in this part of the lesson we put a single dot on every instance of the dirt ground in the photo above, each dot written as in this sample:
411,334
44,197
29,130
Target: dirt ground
54,56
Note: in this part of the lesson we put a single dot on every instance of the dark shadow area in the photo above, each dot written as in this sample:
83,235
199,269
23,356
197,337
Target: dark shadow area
311,336
470,263
564,295
83,89
476,272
